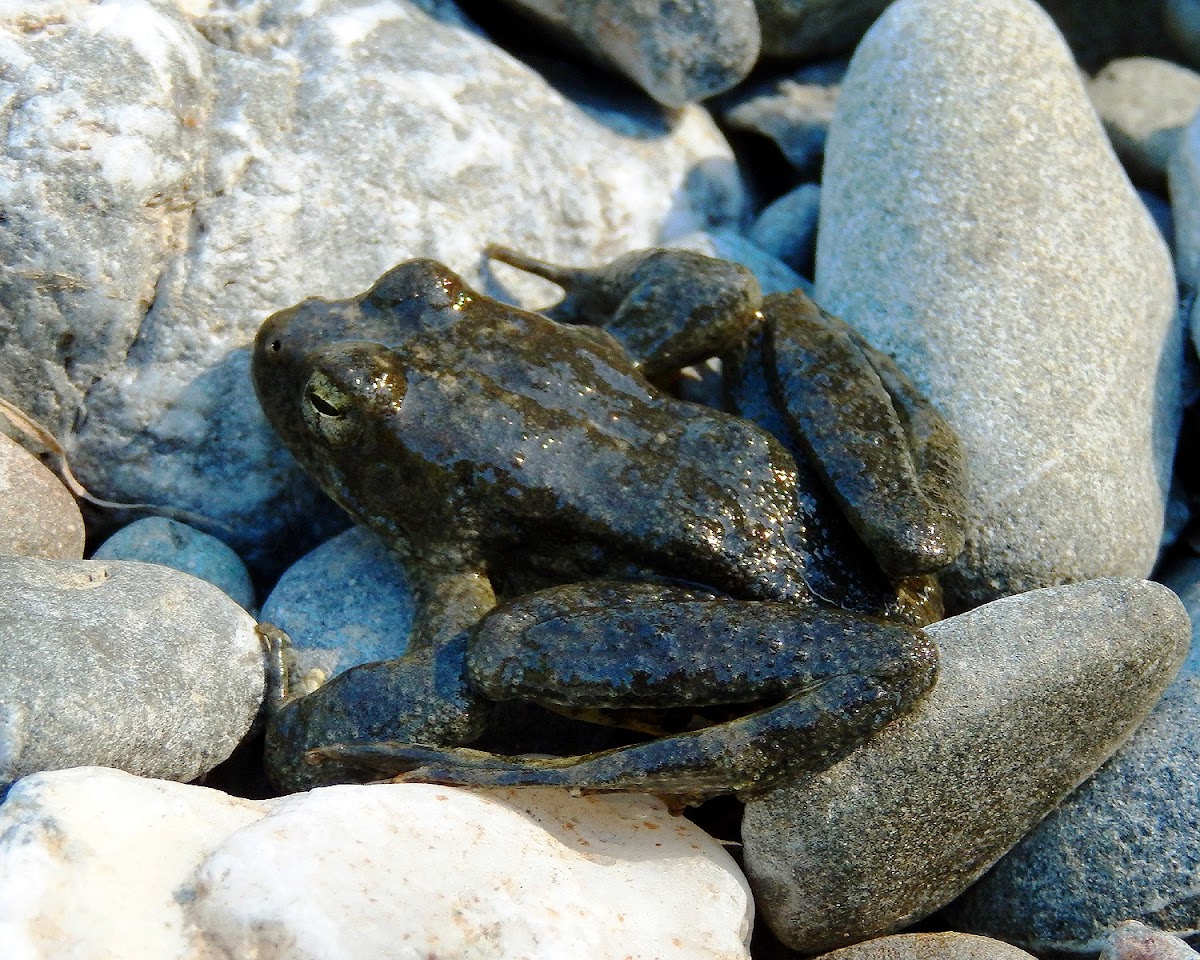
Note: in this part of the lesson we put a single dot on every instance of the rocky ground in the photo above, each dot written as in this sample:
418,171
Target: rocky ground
1002,196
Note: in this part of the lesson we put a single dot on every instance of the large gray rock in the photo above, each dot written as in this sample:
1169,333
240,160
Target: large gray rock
167,184
676,53
1035,692
976,225
121,664
1124,846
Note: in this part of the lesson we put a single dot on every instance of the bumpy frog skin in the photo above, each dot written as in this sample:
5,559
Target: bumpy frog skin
495,448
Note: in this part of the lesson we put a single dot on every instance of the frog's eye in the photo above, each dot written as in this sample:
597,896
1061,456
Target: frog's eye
330,411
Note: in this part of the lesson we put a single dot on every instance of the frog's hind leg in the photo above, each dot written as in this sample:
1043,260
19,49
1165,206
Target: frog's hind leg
833,681
885,453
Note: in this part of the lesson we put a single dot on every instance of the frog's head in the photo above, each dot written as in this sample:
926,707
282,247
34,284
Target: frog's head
331,375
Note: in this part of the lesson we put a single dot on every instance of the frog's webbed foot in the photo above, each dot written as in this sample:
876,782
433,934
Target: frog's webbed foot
667,308
833,680
888,457
424,695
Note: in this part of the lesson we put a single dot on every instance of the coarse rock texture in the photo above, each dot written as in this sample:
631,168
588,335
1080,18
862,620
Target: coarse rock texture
38,515
794,111
1098,30
167,184
121,664
676,52
976,225
387,870
93,860
1145,104
929,946
1035,692
1124,846
345,603
176,545
1136,941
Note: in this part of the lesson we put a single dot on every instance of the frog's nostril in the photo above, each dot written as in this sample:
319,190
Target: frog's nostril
276,346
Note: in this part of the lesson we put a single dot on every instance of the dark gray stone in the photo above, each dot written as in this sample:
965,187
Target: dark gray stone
1125,846
807,29
676,52
1145,104
176,545
121,664
1035,691
976,225
345,603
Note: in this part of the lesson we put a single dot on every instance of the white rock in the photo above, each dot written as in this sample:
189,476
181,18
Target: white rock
92,861
105,866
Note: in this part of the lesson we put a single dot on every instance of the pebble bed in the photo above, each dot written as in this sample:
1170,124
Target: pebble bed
1002,195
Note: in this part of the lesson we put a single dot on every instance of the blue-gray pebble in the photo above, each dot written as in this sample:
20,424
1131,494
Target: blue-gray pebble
176,545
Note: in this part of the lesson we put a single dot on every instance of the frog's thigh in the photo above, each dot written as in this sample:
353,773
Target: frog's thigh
607,645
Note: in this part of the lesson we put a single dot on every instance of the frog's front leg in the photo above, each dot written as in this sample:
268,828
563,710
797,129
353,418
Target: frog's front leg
831,681
423,696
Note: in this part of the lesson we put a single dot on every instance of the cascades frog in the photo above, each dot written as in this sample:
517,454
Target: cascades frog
652,554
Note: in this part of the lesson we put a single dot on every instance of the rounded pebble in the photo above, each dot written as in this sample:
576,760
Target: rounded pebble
176,545
121,664
38,515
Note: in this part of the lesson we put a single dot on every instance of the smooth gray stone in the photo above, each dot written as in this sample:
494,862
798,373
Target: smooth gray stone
929,946
1125,846
976,225
176,545
677,52
38,515
787,228
1182,21
163,196
345,603
794,111
1035,691
1145,104
121,664
1183,182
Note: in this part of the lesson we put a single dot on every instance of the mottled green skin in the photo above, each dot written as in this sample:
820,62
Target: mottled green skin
494,447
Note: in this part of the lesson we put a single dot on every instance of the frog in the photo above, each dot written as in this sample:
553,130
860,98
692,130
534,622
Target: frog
580,538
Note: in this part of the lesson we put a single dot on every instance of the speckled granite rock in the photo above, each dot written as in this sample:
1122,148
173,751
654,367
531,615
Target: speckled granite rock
38,515
345,603
1124,846
176,545
983,233
1035,691
1144,104
677,52
1136,941
124,664
93,861
929,946
164,193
